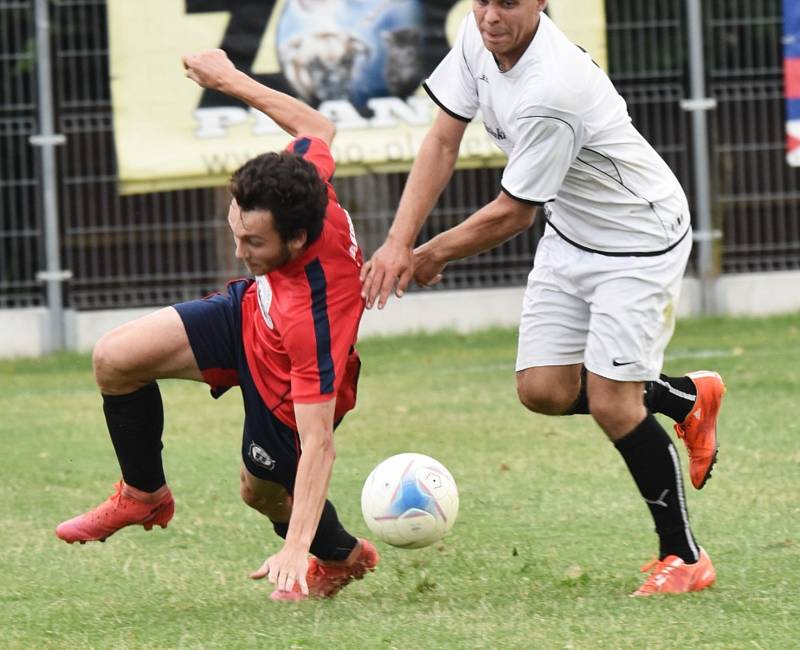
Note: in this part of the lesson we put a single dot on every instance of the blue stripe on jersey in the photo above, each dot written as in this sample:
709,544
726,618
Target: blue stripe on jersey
322,330
793,109
301,146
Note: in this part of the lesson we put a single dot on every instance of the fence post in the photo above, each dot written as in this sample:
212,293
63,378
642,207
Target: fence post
698,104
47,140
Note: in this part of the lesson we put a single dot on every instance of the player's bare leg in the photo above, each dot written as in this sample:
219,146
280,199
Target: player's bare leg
267,497
127,361
550,390
692,400
135,354
616,406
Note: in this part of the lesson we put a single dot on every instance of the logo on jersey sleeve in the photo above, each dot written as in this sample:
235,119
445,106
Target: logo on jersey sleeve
264,294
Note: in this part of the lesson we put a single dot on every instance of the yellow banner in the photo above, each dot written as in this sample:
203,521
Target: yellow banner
360,62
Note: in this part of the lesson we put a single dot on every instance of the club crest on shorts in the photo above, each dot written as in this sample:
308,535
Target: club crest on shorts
264,295
260,457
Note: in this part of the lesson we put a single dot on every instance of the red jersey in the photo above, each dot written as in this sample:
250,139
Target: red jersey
300,322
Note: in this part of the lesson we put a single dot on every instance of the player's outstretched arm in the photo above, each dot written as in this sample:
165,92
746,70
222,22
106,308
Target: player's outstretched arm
214,70
494,223
315,427
392,265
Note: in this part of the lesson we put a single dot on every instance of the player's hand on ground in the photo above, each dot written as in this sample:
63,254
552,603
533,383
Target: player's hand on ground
391,267
287,567
427,267
208,68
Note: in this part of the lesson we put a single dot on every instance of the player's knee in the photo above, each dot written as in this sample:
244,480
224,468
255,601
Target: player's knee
250,496
110,363
601,411
269,504
613,417
540,397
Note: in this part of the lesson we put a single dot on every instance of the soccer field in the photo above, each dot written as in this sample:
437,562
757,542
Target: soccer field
547,546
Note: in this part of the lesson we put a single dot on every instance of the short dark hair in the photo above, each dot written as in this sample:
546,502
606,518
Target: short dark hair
289,187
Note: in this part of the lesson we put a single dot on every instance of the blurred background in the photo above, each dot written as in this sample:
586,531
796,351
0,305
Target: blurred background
708,84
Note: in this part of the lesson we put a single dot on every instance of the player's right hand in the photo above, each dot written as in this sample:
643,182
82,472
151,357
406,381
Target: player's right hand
285,569
208,68
390,267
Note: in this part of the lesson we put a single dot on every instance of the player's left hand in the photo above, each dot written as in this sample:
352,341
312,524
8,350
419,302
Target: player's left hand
208,68
427,267
287,567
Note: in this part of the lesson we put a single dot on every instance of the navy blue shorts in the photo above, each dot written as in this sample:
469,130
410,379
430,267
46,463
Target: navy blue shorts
270,449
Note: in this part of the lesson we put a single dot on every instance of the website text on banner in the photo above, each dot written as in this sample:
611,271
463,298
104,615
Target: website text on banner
360,62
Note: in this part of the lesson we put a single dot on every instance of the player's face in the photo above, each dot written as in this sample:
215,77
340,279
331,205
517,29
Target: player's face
258,243
507,26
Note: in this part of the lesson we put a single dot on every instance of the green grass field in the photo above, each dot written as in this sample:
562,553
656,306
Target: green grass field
547,547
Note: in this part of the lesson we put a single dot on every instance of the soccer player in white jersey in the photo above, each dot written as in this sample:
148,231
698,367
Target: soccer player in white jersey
598,310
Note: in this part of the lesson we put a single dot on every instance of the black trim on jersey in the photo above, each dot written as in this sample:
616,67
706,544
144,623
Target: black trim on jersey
584,50
621,182
549,117
617,254
605,173
442,106
322,330
521,200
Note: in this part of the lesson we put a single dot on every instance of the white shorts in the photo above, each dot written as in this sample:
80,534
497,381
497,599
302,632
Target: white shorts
613,314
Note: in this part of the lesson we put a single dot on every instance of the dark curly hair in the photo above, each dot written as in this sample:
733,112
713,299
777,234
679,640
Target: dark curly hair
286,185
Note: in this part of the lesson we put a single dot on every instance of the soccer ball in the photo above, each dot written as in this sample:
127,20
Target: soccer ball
409,500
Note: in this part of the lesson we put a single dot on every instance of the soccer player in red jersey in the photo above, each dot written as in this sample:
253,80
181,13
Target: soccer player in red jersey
285,337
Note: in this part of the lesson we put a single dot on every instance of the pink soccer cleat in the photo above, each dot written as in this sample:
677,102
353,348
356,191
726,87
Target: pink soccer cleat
699,430
673,576
326,579
114,513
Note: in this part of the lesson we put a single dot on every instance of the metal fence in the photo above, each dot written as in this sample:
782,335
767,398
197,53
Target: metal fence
160,248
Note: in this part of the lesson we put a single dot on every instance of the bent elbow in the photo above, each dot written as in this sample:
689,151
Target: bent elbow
318,127
523,219
327,131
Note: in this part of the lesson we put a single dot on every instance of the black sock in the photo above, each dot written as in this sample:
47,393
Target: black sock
672,396
280,528
653,462
135,422
581,404
331,541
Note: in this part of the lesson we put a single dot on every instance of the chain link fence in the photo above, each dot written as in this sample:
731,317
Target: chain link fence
155,249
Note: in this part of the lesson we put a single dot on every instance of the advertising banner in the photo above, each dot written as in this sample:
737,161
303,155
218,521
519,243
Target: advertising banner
360,62
791,70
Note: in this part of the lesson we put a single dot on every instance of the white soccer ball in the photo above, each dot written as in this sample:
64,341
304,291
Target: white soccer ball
409,500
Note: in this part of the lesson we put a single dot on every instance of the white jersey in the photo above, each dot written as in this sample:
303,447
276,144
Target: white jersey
569,140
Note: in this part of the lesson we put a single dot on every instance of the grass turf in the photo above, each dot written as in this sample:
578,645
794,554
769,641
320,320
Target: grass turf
547,546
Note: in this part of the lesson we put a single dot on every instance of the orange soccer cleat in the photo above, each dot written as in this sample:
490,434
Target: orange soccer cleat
673,576
326,579
699,430
114,513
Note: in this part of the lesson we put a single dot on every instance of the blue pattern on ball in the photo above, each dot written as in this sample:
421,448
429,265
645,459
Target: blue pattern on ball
410,496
